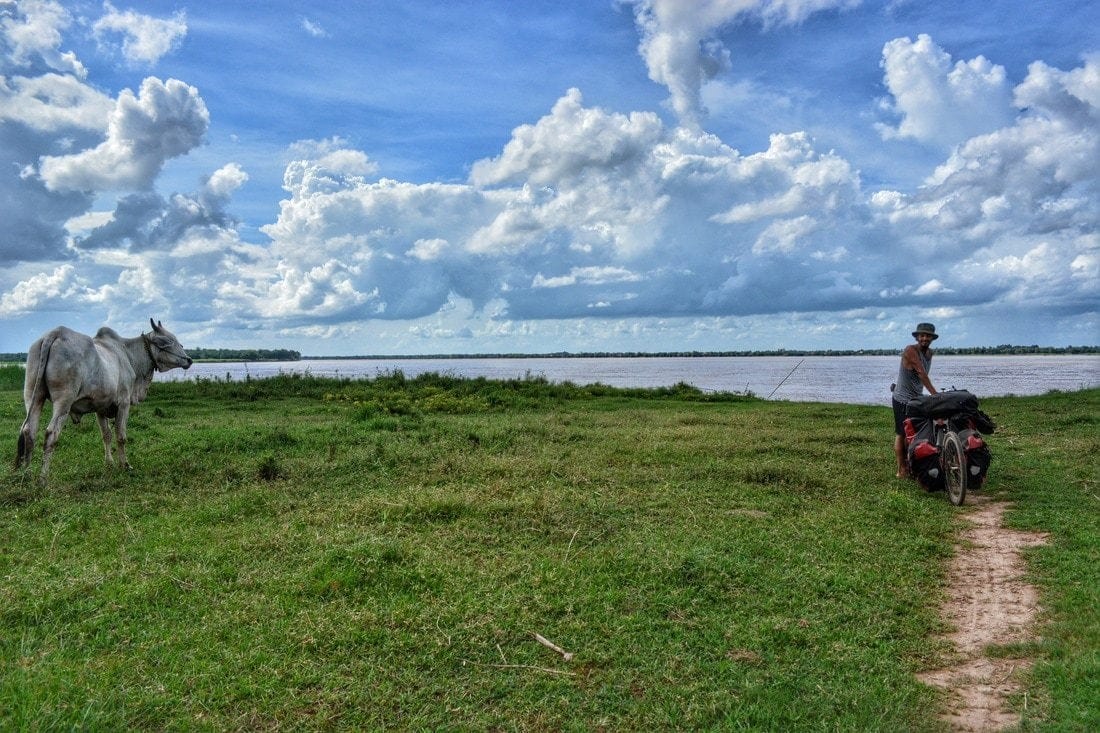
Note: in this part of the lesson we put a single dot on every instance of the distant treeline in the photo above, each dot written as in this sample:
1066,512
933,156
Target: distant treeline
1005,350
201,354
244,354
212,355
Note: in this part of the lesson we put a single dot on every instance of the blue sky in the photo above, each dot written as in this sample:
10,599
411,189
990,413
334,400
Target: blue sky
415,177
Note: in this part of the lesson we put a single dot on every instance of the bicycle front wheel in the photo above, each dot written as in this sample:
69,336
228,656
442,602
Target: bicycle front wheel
954,468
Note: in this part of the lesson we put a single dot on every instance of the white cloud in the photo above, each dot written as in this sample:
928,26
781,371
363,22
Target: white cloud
32,29
938,102
146,222
314,29
1087,266
145,40
587,276
223,182
428,249
569,142
164,120
784,235
1038,175
680,47
52,103
320,292
1062,92
584,208
87,222
1012,215
932,287
808,181
46,291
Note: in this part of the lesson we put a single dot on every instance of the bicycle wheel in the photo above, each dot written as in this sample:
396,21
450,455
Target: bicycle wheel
954,468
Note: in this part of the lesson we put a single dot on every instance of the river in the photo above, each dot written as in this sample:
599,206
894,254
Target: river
850,379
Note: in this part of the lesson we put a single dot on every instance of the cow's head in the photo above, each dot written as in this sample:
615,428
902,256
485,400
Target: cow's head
165,349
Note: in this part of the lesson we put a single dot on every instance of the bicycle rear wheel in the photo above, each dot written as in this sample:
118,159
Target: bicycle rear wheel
954,468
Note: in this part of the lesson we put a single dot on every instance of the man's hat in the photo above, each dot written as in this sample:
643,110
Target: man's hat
927,328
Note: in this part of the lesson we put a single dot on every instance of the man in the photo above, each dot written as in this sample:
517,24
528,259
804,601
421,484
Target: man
916,362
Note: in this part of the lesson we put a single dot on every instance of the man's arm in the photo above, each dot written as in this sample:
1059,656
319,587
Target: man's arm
911,359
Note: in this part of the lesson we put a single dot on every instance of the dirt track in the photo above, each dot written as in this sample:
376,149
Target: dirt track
988,603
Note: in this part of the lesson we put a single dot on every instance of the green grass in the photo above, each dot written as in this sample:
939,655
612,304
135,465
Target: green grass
308,553
11,377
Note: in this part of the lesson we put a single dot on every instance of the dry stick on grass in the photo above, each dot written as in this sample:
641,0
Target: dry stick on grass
520,666
570,547
567,656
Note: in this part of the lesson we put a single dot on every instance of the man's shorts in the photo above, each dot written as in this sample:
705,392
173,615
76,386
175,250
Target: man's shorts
899,417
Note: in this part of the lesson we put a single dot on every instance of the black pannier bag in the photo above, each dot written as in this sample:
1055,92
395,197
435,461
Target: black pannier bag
958,405
924,456
942,404
982,423
978,456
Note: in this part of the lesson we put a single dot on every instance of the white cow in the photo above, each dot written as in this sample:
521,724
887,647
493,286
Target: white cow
104,375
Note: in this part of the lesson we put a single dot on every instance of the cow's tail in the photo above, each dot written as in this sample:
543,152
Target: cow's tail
26,440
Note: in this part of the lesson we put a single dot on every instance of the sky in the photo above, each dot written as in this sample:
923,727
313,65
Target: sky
493,176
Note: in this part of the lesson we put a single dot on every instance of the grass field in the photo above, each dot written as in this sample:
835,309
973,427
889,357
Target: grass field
301,553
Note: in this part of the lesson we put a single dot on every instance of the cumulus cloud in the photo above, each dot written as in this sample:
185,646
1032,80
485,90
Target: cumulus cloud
569,141
65,140
939,102
807,180
680,46
583,209
32,29
1039,174
52,103
146,221
1016,208
391,236
299,296
221,184
162,121
53,290
145,39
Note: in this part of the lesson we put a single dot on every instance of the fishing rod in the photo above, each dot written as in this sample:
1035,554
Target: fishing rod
785,379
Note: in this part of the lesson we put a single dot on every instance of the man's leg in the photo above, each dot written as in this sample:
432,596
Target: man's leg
899,452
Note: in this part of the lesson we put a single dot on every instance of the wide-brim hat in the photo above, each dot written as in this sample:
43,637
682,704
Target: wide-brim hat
927,328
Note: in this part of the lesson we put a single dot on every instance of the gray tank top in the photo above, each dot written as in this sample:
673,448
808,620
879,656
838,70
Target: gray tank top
909,385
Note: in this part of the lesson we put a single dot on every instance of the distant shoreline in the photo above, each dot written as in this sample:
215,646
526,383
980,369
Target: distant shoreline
973,351
260,355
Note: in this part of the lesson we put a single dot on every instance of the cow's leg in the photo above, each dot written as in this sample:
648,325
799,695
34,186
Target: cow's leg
105,431
29,432
53,432
120,434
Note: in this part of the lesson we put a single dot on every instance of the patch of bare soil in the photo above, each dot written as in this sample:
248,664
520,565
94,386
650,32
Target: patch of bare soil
988,603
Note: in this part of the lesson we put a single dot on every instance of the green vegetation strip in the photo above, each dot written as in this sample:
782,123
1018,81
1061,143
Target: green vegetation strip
305,553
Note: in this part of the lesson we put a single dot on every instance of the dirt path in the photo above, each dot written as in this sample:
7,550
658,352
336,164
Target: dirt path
988,603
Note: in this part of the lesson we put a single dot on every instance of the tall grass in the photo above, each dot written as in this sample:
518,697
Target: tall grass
11,376
309,553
